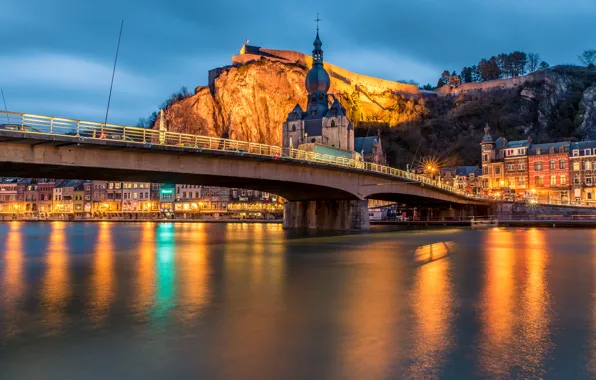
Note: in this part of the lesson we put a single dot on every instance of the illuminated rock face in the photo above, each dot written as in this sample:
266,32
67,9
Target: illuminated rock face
251,101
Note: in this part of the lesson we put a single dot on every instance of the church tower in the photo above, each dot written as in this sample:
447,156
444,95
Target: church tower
321,123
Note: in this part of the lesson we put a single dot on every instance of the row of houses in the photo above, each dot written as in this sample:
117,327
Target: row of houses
46,197
559,172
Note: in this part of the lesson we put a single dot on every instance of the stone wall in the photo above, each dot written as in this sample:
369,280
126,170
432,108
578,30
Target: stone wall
520,210
490,85
369,84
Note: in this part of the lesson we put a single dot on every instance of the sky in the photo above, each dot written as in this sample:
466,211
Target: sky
57,56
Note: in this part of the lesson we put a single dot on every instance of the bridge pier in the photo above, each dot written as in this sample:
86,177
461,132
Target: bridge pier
327,215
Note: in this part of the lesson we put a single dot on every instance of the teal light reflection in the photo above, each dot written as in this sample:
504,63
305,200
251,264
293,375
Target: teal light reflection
165,271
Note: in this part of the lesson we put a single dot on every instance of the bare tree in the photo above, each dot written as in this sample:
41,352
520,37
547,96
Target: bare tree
588,57
533,61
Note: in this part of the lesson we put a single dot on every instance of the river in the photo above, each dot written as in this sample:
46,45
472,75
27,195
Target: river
250,301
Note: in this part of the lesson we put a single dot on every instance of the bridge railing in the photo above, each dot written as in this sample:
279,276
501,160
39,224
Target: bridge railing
81,130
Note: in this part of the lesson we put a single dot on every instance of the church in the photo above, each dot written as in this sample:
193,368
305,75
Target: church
324,126
324,122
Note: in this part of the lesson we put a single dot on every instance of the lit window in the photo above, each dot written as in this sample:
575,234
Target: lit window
576,166
563,179
553,180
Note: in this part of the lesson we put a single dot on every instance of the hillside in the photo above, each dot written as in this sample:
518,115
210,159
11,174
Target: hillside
250,102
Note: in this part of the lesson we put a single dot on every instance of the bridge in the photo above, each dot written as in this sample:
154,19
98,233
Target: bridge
323,191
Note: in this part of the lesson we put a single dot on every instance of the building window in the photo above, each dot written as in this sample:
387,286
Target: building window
521,181
588,180
587,165
576,180
587,152
576,166
484,171
563,179
521,166
561,149
498,170
293,128
538,165
553,180
589,195
539,181
562,164
594,165
575,152
510,167
538,151
553,164
485,157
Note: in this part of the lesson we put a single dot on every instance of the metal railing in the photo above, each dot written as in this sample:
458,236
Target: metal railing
81,131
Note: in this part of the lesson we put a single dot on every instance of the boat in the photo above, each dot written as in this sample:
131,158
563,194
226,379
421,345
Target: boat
484,223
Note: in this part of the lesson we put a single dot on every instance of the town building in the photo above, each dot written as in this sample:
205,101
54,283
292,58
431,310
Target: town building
45,196
371,149
548,172
9,196
136,197
582,161
167,197
63,197
492,162
465,178
114,197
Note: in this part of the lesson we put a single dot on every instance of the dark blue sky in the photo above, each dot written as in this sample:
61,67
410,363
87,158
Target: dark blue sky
57,56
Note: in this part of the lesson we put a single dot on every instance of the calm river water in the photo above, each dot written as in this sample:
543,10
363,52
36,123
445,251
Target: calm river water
240,301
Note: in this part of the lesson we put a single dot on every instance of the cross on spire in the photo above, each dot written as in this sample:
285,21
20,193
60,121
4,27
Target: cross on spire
317,20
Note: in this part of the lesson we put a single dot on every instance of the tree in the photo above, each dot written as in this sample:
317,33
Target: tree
588,57
467,75
444,78
533,62
520,60
543,65
428,86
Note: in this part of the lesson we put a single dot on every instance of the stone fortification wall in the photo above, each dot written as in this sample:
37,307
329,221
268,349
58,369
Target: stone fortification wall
490,85
367,83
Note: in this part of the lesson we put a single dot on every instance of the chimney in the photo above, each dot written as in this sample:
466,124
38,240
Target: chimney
529,140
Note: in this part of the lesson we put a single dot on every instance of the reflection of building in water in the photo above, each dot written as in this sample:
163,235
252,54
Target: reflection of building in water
13,283
515,316
102,280
145,284
433,312
371,318
56,283
536,300
193,268
498,308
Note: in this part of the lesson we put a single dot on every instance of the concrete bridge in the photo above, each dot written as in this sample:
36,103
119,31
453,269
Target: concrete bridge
325,192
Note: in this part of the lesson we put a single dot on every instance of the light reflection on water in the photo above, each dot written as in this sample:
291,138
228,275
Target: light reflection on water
169,300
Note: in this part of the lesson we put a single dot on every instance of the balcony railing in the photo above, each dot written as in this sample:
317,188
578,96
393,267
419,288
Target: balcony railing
81,131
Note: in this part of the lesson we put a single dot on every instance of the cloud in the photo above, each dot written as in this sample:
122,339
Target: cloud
62,71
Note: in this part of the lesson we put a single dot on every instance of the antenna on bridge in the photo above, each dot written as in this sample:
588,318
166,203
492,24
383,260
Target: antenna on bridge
5,108
112,83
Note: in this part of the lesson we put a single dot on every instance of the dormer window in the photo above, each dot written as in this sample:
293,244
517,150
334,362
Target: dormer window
587,152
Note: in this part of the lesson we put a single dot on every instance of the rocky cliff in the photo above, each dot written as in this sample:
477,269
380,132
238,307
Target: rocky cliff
251,101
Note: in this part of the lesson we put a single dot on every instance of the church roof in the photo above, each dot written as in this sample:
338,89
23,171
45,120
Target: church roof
317,42
336,109
365,144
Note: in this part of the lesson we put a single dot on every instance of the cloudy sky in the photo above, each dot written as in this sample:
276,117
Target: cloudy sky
56,57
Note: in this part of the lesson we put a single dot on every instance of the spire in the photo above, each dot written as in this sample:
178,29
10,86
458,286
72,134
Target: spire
317,53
